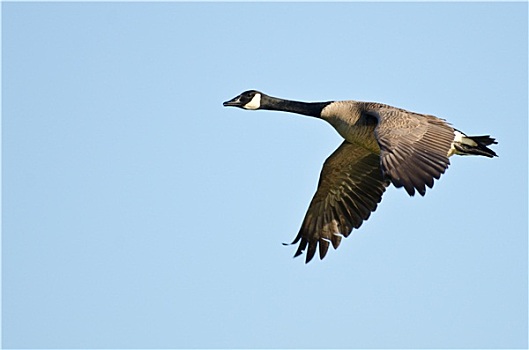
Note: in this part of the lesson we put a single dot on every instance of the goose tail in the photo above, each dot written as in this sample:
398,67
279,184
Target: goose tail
472,145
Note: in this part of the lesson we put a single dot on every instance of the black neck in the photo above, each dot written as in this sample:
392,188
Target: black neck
312,109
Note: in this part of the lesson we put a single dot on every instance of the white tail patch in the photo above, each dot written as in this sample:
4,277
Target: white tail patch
460,138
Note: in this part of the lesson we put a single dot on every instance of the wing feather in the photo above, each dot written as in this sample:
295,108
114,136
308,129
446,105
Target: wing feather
413,147
350,187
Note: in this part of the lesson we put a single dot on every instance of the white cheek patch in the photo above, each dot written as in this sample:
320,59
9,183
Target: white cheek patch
255,102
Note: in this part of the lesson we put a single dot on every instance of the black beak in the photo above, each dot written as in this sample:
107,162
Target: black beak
234,102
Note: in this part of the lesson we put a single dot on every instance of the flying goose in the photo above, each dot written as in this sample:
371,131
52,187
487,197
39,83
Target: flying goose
383,145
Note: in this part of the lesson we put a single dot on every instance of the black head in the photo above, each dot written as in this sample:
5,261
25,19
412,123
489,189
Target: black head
250,99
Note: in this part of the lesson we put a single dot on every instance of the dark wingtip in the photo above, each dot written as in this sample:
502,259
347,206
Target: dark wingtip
311,251
301,249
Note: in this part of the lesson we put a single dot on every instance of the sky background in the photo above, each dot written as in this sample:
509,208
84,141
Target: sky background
137,212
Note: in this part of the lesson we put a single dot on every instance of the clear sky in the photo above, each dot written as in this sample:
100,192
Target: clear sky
138,212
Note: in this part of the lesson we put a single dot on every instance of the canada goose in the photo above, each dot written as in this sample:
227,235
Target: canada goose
382,144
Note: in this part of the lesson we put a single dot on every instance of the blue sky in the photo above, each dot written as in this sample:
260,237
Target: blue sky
138,212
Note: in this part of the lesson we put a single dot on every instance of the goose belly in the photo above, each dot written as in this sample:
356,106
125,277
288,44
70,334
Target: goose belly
359,134
355,128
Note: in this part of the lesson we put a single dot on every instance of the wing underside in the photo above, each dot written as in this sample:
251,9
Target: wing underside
350,187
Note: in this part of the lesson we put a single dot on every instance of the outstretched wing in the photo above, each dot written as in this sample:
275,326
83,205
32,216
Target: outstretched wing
350,187
413,147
